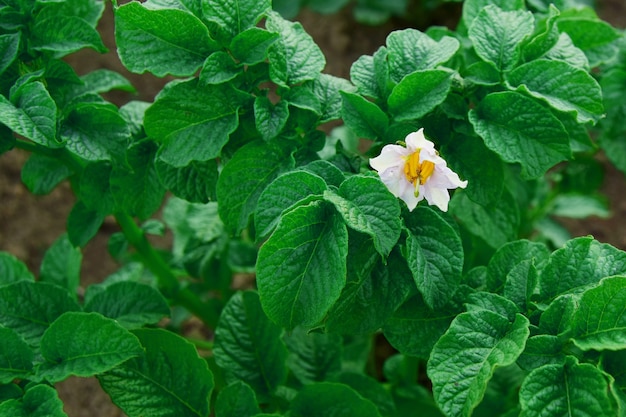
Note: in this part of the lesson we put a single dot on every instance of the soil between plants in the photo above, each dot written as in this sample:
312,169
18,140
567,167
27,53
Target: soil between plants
30,224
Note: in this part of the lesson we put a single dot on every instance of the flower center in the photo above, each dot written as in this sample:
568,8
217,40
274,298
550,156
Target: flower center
418,173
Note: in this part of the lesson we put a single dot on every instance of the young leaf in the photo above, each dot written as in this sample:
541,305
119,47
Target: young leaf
193,121
367,207
61,35
294,57
236,400
411,50
464,359
42,173
169,378
252,168
595,37
471,8
365,118
16,357
520,284
219,68
333,400
166,41
61,265
83,223
84,344
600,319
234,16
327,89
30,307
543,349
283,194
248,347
250,46
570,389
270,118
434,255
9,45
502,120
195,182
497,35
301,269
418,93
509,256
13,270
31,113
38,401
105,80
313,357
565,88
583,261
129,303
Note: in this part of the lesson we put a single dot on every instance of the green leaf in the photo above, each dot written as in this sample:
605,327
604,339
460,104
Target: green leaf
329,172
415,328
166,41
195,182
434,255
565,50
418,93
331,399
282,195
105,80
13,270
301,269
270,118
600,320
557,318
95,188
464,359
571,389
95,132
497,35
581,206
370,389
521,130
250,46
595,37
520,284
583,261
234,16
371,74
193,121
236,400
411,50
31,113
9,45
365,118
61,35
471,8
84,344
16,357
508,257
83,223
248,347
30,307
219,68
327,89
41,173
313,357
130,303
252,168
135,186
374,289
565,88
294,57
38,401
542,350
61,265
169,378
367,207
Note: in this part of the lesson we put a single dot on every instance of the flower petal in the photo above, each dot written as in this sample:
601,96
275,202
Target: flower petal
437,196
417,140
390,156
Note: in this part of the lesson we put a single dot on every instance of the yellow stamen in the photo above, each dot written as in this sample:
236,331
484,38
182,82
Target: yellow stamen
418,173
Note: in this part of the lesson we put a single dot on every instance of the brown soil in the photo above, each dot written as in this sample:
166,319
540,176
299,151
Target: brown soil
30,224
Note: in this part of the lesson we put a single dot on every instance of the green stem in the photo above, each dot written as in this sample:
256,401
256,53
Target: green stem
168,283
60,154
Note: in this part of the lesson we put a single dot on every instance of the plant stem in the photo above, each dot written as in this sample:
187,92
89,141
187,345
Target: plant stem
168,283
60,154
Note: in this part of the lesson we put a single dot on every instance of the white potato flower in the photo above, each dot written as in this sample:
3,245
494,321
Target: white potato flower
416,171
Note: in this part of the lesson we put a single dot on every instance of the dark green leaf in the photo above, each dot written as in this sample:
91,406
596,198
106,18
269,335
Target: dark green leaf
236,400
250,46
418,93
195,182
13,270
42,173
219,68
61,35
370,389
234,16
61,265
301,269
38,401
9,45
16,357
331,399
327,89
105,80
83,223
270,118
365,118
595,37
313,357
508,257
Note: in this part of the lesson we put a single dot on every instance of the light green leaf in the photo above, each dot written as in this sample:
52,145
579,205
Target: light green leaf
84,344
595,37
248,346
365,118
250,46
61,265
331,399
38,401
294,57
565,50
31,113
168,379
580,206
104,80
411,50
252,168
542,350
418,93
521,130
327,89
16,357
13,270
234,16
464,359
282,195
435,256
583,261
301,269
61,35
166,41
219,68
571,389
565,88
497,35
313,357
471,8
129,303
236,400
367,207
195,182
